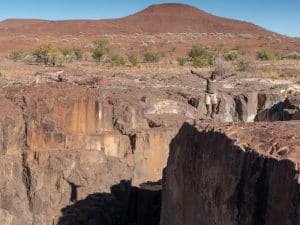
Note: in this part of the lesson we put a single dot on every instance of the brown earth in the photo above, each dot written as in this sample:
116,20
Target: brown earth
155,27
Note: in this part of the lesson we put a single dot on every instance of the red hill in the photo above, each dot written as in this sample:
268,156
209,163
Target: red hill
176,18
27,34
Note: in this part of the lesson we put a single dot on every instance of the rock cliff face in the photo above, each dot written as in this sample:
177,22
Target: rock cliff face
14,205
236,174
72,154
60,144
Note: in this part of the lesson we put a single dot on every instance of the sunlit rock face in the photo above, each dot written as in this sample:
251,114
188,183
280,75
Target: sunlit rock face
61,144
66,147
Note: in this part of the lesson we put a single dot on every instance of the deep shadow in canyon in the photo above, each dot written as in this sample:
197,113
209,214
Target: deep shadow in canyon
125,205
211,178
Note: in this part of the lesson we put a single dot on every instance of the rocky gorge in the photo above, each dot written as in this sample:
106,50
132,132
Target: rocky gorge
73,153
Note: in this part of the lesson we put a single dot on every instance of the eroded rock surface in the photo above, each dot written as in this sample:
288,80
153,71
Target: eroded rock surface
63,145
233,174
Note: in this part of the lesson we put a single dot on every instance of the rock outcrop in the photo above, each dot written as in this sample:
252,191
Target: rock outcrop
61,143
233,174
75,153
289,109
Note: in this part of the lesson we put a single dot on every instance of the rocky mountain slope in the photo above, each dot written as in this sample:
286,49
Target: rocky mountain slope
193,25
177,18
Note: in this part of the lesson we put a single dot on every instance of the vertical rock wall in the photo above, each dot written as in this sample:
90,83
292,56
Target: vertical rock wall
63,144
233,175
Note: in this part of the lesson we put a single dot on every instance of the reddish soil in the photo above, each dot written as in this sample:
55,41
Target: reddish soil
216,32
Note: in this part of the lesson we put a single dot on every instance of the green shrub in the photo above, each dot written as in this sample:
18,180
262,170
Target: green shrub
71,54
181,61
68,54
43,52
117,60
200,56
152,56
243,66
197,51
264,54
55,58
200,61
98,53
67,51
100,49
100,43
293,55
231,55
133,59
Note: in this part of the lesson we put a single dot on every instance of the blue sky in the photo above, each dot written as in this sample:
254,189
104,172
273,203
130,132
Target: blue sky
276,15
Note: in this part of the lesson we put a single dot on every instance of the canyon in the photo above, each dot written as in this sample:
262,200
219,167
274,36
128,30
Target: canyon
72,153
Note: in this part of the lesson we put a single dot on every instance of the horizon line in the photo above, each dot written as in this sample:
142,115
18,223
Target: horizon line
45,19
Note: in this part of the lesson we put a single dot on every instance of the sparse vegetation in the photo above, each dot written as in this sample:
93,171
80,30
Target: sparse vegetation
133,59
100,43
246,36
222,67
200,56
98,53
100,49
117,60
78,53
152,56
71,54
197,51
264,54
231,55
293,55
243,66
269,74
48,55
30,59
67,51
181,61
239,49
43,53
16,56
56,58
